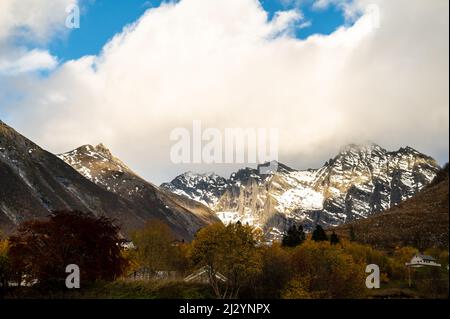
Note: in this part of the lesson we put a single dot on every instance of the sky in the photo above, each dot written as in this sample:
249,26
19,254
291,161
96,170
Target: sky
102,19
324,73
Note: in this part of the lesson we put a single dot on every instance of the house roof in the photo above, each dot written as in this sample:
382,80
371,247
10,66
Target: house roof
426,257
202,271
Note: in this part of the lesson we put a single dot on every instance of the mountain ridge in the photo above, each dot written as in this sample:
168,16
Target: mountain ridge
360,180
421,221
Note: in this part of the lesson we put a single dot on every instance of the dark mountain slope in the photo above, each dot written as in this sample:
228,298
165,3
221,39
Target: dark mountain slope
34,182
97,164
421,221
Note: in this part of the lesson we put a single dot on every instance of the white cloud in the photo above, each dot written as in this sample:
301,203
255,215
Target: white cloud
217,61
35,20
26,61
29,22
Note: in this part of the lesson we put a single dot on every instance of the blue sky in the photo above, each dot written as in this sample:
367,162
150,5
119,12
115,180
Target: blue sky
327,87
102,19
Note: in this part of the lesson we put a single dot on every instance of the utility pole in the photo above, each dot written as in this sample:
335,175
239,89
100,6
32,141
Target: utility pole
409,277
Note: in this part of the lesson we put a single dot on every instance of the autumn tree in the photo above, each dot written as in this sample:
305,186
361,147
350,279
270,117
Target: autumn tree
5,267
228,250
275,273
325,271
156,249
41,249
294,236
319,234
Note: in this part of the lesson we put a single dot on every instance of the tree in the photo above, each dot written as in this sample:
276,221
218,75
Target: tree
276,271
41,249
294,236
319,234
231,251
325,271
5,267
334,239
297,289
352,234
154,246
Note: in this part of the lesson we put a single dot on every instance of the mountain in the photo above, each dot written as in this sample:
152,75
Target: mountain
359,181
97,164
35,182
203,188
421,221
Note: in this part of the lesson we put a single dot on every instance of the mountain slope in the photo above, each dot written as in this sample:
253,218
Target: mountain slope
359,181
97,164
421,221
34,182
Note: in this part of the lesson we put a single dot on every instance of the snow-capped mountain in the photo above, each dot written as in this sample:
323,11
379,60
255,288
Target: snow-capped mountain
34,182
203,188
359,181
185,216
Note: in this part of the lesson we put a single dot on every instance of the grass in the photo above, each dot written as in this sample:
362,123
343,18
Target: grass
174,289
120,289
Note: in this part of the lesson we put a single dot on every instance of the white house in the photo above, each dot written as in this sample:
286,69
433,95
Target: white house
422,261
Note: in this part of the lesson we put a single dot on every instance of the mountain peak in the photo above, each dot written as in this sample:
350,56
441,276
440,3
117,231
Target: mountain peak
88,150
275,164
408,150
102,149
364,148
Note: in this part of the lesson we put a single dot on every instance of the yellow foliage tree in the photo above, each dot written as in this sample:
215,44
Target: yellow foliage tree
231,251
154,246
400,257
298,288
327,271
4,244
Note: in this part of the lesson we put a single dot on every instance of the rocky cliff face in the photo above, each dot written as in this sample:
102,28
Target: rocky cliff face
357,182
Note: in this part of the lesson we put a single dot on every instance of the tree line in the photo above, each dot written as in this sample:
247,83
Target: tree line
237,261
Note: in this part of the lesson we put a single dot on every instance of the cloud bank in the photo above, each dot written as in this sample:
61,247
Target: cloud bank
225,63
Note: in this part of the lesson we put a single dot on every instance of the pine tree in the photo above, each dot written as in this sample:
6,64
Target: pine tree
352,234
301,234
294,236
319,234
334,239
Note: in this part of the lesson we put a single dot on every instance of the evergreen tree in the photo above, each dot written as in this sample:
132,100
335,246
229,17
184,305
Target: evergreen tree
301,234
334,239
319,234
294,236
352,234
